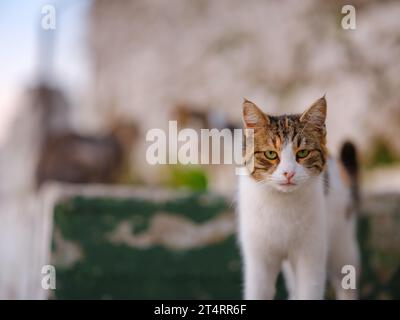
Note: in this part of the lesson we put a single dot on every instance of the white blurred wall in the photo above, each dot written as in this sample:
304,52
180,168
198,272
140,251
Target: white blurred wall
283,55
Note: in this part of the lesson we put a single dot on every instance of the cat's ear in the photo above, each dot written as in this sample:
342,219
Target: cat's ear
316,114
253,117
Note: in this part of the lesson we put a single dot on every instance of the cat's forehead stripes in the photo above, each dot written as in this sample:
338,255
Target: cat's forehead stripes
284,129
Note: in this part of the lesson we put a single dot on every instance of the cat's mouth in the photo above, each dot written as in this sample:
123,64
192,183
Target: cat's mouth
288,184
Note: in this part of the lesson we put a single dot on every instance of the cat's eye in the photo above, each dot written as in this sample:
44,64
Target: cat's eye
271,155
302,153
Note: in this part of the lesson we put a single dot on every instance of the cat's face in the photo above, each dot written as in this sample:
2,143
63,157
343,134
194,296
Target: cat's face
289,150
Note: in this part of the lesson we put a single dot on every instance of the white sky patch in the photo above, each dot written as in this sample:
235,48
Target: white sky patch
19,31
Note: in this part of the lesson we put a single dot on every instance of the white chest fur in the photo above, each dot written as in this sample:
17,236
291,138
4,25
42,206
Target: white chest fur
275,226
281,221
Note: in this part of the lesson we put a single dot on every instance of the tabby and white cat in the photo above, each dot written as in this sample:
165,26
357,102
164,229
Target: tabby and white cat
296,207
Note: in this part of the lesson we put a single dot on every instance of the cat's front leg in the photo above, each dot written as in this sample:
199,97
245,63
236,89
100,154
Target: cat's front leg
310,270
260,276
310,278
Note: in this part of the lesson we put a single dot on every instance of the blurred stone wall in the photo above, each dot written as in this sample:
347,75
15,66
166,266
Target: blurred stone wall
150,55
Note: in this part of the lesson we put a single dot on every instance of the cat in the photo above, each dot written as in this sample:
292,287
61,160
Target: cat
296,206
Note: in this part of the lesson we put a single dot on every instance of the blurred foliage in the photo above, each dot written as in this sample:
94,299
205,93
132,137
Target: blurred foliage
118,271
381,154
190,177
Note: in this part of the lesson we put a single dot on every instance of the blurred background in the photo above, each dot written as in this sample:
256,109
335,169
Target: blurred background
77,100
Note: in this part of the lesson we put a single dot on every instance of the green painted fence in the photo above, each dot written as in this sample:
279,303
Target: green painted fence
182,248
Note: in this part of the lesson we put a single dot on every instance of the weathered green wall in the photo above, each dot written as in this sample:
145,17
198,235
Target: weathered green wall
91,265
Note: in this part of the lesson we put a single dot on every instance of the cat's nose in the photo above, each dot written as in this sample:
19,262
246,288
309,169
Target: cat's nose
289,174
